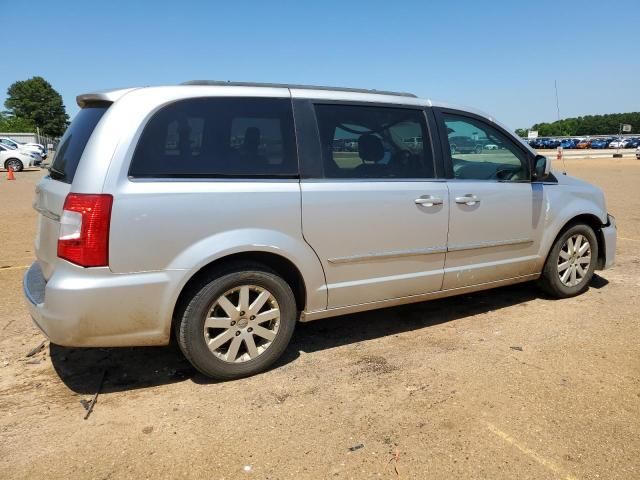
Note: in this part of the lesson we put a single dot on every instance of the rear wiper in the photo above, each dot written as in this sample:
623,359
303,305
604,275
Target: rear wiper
56,174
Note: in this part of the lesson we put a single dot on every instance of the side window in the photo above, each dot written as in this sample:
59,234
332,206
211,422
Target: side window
218,137
481,152
373,142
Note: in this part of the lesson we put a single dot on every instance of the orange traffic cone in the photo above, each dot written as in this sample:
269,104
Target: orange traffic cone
10,175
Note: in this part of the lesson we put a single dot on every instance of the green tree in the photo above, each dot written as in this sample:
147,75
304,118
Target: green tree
36,101
608,124
13,124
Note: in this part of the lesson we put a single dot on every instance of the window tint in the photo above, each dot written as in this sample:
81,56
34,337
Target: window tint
373,142
73,142
481,152
218,137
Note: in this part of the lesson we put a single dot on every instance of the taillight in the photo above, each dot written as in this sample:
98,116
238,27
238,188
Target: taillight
84,229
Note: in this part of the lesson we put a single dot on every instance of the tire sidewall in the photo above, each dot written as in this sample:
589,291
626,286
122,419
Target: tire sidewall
191,337
552,278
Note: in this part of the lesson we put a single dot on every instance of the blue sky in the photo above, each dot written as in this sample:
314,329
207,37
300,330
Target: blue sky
498,56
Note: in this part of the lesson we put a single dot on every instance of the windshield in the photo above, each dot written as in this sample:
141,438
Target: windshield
73,142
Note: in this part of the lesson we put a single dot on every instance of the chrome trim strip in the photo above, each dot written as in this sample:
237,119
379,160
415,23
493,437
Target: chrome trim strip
498,243
386,255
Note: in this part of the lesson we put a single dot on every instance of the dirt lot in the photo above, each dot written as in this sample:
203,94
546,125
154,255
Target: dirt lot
499,384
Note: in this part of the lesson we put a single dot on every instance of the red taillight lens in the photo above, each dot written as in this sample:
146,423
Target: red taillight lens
84,229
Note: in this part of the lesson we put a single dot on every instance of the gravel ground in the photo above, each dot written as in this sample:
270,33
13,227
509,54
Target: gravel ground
498,384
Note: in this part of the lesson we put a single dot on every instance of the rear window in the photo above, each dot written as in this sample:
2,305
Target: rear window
218,137
73,142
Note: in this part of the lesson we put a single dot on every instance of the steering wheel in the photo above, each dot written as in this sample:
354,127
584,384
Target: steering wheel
505,174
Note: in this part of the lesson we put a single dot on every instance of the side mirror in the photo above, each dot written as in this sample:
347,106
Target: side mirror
542,167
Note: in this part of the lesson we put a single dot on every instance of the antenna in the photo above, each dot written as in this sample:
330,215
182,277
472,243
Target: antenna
555,84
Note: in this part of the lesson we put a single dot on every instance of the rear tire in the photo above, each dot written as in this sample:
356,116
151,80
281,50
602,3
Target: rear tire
222,330
15,164
571,262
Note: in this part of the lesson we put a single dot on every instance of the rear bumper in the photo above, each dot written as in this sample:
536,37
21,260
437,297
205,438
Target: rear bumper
610,234
94,307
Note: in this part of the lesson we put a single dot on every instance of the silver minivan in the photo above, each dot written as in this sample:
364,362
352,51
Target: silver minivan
221,214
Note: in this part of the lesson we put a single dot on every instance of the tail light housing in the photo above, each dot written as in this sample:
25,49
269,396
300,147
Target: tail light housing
84,229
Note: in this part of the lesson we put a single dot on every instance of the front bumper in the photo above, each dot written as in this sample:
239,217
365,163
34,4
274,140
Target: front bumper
609,235
93,307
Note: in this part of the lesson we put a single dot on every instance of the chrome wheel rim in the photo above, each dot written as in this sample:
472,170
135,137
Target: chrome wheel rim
13,165
574,260
242,324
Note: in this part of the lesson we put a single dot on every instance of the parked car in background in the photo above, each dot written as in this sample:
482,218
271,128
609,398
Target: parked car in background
463,144
545,143
301,231
491,146
16,159
599,143
620,143
568,143
30,147
633,143
586,143
638,153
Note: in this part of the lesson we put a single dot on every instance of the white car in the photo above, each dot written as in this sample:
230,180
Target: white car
491,146
618,143
638,153
28,147
18,159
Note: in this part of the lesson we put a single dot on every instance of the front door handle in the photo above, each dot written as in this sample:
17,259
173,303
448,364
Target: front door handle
468,199
428,201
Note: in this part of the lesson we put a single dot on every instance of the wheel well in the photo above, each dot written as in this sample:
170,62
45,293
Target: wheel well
280,265
596,224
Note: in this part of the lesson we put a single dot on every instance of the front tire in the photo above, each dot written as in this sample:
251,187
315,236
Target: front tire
237,324
571,262
14,164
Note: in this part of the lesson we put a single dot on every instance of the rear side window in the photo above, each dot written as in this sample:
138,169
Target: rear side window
73,142
218,137
374,142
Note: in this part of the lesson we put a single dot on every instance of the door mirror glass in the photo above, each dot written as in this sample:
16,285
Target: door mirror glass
542,167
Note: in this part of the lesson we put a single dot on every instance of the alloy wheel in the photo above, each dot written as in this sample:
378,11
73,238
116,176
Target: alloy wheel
14,165
574,260
242,323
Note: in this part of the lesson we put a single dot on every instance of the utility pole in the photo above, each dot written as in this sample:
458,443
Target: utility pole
555,84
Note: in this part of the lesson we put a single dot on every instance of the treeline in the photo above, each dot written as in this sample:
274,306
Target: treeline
588,125
32,104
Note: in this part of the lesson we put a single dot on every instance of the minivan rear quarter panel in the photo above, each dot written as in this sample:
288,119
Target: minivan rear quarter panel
184,224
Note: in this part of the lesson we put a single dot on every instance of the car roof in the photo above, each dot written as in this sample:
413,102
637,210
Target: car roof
215,87
319,92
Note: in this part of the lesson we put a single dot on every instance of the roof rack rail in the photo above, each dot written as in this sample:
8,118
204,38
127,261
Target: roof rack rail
289,85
